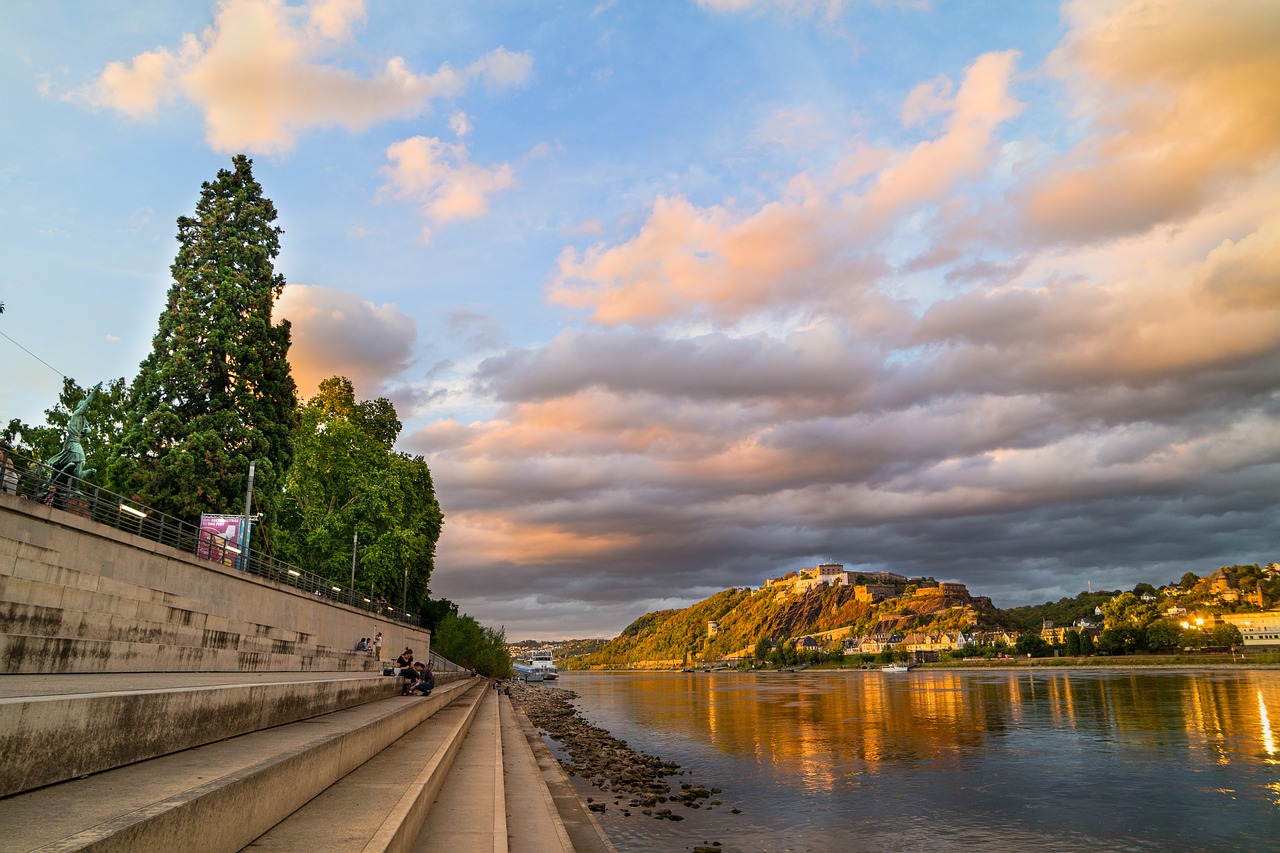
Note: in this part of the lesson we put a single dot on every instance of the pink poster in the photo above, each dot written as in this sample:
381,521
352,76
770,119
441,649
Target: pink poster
220,538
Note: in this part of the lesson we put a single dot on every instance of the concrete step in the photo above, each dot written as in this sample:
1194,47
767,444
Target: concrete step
382,804
470,811
47,739
216,797
533,773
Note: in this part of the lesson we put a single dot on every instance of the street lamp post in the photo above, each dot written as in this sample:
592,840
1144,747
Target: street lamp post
244,538
355,543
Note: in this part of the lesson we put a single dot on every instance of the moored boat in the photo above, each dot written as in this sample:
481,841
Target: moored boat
544,663
897,667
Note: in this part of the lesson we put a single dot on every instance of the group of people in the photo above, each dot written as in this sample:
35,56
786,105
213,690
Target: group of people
371,644
417,677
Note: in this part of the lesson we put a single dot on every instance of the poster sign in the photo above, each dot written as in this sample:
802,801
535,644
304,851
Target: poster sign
220,538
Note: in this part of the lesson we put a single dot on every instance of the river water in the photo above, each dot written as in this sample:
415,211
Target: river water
1096,760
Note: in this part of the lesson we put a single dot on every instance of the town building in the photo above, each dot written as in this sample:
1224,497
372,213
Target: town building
1257,629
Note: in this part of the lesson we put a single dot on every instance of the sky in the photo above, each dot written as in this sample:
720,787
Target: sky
679,295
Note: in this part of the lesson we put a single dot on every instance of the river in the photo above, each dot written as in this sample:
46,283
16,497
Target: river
1045,760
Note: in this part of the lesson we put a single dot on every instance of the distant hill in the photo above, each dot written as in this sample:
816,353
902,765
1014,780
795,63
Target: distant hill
671,638
564,649
800,605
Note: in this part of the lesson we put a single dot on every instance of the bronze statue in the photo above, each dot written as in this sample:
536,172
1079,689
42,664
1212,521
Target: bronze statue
69,462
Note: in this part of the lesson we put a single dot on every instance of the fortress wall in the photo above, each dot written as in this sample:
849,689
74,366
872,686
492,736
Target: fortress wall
76,595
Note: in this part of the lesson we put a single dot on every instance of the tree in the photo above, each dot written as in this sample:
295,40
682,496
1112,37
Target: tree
762,649
346,479
1073,643
435,610
1126,610
465,641
1164,634
1189,580
1031,643
1226,634
1144,588
1086,643
215,393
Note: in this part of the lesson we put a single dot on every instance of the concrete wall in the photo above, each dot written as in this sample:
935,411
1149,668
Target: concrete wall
76,595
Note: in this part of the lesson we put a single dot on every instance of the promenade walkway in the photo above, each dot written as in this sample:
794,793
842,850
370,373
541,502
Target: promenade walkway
456,771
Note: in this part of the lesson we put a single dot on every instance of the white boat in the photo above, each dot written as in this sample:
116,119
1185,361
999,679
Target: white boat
525,672
897,667
544,664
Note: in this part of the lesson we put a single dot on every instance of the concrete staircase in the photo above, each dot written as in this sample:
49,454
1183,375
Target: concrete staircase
455,770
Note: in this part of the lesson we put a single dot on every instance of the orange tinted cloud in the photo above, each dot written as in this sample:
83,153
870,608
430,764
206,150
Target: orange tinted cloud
1180,98
336,333
722,263
262,76
438,177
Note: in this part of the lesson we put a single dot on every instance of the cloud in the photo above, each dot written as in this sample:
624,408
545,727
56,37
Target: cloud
340,333
437,176
1179,101
823,237
917,360
1245,274
267,72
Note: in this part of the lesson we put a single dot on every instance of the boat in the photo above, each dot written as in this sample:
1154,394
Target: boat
525,672
897,667
544,663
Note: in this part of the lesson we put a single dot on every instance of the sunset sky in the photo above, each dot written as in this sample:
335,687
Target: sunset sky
677,295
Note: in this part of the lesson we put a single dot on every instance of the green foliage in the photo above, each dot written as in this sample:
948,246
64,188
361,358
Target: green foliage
465,641
215,393
762,649
1226,635
433,611
347,479
1189,580
1073,643
1065,611
1031,643
1165,635
1122,639
1126,610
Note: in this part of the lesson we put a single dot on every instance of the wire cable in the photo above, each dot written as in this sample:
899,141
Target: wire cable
33,355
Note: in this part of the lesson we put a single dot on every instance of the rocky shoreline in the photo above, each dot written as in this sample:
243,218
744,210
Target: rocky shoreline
635,780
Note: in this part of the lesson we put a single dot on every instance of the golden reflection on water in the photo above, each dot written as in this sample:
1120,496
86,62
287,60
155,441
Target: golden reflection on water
805,725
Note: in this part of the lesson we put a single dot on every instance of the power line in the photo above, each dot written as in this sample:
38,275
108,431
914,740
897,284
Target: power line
33,355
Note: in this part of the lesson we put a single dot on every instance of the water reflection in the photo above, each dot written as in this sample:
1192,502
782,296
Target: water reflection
986,752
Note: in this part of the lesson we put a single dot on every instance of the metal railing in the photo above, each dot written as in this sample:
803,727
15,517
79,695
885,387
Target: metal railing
37,481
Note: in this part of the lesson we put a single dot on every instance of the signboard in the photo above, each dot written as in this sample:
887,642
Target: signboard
220,538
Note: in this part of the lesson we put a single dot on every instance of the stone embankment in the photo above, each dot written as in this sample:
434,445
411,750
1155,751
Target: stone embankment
607,762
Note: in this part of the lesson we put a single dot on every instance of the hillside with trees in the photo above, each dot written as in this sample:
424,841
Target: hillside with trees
763,625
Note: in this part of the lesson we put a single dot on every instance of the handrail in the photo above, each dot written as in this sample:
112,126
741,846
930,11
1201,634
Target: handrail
30,478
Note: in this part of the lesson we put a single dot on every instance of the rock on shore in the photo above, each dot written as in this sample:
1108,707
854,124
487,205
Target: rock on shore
608,763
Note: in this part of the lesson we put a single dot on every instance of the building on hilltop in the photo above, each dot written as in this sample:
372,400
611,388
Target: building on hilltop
870,593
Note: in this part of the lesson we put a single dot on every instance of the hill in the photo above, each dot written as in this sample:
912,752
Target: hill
829,605
674,638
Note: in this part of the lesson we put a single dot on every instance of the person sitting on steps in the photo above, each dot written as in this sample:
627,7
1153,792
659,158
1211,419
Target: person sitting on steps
405,661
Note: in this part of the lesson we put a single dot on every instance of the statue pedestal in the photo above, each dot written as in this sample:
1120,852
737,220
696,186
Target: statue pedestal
79,504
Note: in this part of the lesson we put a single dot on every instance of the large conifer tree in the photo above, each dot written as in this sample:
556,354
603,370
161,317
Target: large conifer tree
216,391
